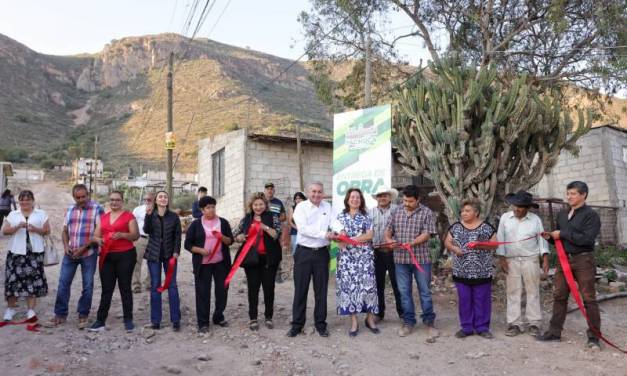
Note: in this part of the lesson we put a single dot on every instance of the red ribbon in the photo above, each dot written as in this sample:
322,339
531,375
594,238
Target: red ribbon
31,324
572,285
218,236
104,249
252,238
405,246
168,275
473,245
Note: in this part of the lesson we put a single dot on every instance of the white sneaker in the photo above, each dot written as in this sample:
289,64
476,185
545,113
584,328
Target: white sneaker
8,314
30,314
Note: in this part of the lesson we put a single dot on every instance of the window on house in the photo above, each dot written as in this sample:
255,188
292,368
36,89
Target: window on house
217,173
625,154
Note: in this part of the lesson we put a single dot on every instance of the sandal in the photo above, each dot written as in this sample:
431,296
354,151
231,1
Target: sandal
253,325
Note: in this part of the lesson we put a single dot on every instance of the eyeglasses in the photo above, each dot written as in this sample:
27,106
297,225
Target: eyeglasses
115,199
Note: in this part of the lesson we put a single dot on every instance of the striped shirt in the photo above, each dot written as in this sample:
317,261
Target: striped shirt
406,227
81,223
380,218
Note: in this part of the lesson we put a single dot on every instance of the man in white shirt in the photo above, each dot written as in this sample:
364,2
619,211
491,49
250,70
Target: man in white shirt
311,259
520,261
141,243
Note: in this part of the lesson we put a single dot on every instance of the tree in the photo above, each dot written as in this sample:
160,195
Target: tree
552,41
345,32
477,137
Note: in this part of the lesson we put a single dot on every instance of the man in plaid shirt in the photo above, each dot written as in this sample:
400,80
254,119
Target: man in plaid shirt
80,222
413,223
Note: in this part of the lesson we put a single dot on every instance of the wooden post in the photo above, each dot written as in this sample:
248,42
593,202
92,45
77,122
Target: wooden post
168,184
299,152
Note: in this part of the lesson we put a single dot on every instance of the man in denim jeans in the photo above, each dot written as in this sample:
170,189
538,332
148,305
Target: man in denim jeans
413,224
78,227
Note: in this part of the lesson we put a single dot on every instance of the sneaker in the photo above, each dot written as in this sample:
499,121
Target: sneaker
293,332
269,324
533,330
129,326
154,326
513,331
405,330
137,289
54,322
176,326
203,330
97,326
486,335
223,324
82,323
8,314
548,337
253,325
593,343
30,314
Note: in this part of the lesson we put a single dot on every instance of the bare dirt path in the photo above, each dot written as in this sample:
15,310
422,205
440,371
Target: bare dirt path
238,351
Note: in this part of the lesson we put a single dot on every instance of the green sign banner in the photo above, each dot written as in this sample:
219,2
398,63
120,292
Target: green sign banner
362,154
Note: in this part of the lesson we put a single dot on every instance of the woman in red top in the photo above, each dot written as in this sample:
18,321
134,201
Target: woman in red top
265,227
116,233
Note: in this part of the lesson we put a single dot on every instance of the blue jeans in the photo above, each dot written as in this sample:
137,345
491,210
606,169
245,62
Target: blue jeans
66,276
404,274
154,268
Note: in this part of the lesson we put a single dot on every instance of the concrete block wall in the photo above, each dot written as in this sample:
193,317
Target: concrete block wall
617,164
231,204
600,164
278,162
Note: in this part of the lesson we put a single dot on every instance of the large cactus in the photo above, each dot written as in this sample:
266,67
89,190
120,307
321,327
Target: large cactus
476,135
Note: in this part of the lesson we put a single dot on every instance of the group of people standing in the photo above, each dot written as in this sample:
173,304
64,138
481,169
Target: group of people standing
388,239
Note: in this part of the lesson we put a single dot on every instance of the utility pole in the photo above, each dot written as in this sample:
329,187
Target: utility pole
300,157
168,183
95,165
368,70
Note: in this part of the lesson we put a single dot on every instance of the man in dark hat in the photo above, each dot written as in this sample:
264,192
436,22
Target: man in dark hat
578,228
520,261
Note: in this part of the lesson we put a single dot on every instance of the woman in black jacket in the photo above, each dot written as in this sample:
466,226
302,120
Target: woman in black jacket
208,239
268,227
163,228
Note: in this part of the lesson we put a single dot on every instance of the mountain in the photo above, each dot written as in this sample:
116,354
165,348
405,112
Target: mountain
54,105
51,107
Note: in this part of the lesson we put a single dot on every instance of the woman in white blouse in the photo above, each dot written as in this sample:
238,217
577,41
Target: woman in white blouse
25,258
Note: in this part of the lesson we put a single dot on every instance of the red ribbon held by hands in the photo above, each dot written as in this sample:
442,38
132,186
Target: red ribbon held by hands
104,249
572,285
405,246
218,236
168,275
479,244
252,238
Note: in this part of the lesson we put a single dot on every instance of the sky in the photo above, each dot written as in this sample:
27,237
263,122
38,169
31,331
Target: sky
67,27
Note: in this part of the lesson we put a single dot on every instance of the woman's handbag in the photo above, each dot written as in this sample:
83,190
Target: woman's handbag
51,255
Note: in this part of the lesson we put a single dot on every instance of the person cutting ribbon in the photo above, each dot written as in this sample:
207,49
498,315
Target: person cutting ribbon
413,224
208,239
577,229
356,283
473,269
259,255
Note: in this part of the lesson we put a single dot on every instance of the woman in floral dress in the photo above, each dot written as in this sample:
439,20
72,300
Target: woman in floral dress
356,283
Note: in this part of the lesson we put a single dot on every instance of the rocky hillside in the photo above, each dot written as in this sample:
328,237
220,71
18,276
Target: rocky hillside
55,105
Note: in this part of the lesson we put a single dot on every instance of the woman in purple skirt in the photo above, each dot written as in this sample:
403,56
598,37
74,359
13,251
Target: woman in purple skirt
472,270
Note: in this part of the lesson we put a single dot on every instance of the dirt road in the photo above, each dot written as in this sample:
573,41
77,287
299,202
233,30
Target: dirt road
238,351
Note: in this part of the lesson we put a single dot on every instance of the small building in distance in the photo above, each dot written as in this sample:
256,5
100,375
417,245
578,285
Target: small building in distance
602,164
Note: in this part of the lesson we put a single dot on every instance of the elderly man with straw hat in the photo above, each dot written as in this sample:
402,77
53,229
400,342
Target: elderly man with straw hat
383,256
520,260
